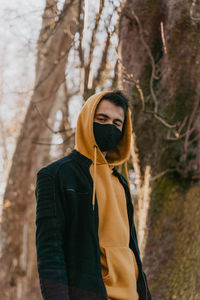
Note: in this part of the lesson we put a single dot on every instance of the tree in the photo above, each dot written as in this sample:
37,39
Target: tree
159,48
18,261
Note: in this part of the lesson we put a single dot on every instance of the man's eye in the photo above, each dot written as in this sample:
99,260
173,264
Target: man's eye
101,119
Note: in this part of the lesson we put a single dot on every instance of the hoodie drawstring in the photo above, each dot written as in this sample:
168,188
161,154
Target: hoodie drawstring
94,176
94,179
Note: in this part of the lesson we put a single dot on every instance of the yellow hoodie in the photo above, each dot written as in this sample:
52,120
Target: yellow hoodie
118,264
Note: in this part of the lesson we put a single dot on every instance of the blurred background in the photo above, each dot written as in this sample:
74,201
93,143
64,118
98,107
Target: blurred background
53,56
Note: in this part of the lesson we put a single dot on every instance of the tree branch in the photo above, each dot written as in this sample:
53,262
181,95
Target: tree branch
153,73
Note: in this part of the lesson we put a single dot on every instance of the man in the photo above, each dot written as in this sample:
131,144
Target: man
86,241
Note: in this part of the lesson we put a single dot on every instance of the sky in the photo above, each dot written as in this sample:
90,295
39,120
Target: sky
20,24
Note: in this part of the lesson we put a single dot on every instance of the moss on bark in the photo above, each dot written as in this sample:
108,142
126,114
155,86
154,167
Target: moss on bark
177,276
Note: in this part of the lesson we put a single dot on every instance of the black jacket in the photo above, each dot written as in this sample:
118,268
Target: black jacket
68,252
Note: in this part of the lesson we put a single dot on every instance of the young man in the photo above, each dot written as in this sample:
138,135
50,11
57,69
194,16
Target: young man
86,240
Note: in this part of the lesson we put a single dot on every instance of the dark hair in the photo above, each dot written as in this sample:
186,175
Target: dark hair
118,99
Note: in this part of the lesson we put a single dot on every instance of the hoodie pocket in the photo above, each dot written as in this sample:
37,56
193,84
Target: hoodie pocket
118,265
105,264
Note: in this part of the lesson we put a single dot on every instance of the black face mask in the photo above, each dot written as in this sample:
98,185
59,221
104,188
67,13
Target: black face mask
107,136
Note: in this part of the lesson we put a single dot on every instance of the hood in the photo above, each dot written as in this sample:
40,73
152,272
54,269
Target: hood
85,141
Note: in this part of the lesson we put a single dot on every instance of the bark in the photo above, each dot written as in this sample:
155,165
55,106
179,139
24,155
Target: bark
67,133
18,254
159,44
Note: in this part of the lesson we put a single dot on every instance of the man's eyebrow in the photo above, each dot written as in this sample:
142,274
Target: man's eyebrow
102,115
106,116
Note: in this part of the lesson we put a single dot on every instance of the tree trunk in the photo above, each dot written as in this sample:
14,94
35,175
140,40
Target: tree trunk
18,255
159,44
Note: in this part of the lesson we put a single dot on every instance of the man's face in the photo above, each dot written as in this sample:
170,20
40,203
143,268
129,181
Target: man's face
109,113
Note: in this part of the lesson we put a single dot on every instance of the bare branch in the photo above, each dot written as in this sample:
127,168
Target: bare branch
162,174
182,126
163,37
80,30
53,144
48,25
53,93
196,104
103,61
137,84
47,125
153,73
188,132
92,43
194,139
164,122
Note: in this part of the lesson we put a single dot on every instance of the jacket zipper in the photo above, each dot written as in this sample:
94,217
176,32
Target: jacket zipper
138,255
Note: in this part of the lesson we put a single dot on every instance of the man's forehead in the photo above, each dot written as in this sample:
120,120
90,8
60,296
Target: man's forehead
109,108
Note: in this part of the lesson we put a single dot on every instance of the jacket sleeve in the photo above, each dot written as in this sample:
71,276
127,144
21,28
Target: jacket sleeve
50,232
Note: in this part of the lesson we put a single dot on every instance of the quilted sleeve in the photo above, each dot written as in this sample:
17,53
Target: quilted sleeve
50,232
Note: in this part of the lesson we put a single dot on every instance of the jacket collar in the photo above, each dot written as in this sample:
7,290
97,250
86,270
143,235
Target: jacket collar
82,159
